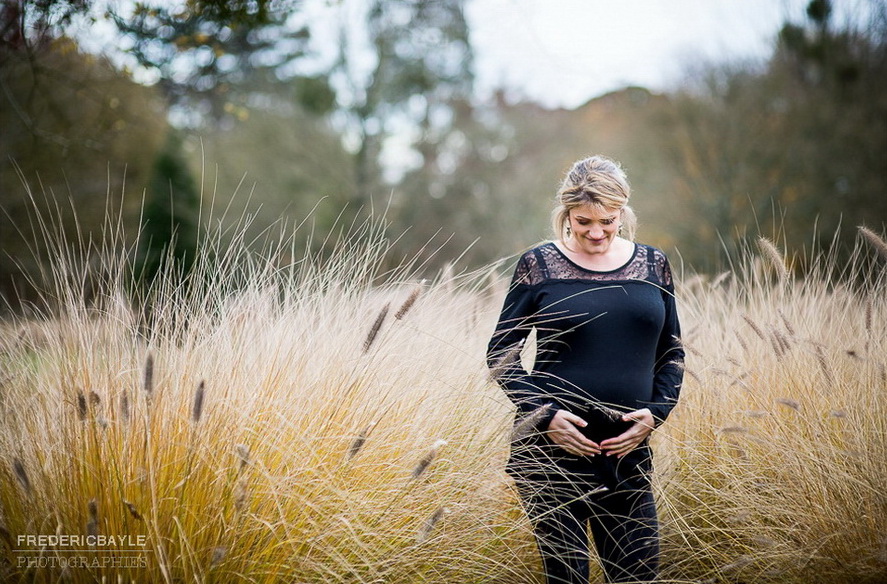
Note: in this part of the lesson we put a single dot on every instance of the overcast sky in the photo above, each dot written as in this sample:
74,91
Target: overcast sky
563,52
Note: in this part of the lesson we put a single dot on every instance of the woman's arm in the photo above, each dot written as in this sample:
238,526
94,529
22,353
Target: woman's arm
503,352
669,373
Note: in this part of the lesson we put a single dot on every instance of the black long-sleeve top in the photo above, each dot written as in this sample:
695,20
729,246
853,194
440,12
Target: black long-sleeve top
605,337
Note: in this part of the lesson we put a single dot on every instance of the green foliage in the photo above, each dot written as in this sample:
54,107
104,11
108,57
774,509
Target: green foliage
207,53
773,151
75,135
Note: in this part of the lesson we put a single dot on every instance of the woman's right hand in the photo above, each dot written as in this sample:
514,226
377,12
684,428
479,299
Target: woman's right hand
563,431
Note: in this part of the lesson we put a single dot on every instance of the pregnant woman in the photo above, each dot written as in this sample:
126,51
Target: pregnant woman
607,372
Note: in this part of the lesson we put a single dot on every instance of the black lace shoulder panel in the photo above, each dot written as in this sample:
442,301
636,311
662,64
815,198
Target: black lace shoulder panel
546,262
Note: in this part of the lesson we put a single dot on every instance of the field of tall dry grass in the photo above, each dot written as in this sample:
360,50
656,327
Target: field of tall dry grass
284,418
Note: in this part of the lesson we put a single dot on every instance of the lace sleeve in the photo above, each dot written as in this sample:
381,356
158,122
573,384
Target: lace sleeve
529,270
662,270
669,372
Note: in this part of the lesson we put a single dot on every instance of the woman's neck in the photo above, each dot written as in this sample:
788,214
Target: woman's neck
616,254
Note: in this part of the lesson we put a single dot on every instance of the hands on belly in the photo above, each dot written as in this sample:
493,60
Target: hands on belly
564,431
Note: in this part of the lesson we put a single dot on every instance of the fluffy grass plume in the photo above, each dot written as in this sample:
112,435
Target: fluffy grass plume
319,460
301,456
773,467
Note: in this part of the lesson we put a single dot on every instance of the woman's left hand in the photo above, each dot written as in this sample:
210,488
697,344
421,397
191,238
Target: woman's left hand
633,437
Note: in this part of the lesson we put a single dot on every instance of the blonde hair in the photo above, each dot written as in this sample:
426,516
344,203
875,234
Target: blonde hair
599,182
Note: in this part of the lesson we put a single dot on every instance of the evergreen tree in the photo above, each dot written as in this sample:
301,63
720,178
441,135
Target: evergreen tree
168,238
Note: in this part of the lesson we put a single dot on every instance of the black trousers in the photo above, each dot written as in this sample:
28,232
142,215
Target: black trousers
623,526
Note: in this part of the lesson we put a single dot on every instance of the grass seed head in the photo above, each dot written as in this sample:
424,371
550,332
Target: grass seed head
430,523
21,475
779,342
507,361
81,406
734,430
148,380
874,240
241,495
242,451
754,327
374,330
774,256
527,425
133,510
742,343
197,409
7,538
868,315
92,526
124,406
721,278
785,322
789,403
408,303
741,562
823,364
426,460
359,441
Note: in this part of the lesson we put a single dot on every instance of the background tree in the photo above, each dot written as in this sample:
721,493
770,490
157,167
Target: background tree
169,228
780,150
75,133
421,68
209,55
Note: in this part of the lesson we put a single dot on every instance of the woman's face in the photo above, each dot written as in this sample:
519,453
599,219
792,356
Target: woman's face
593,230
